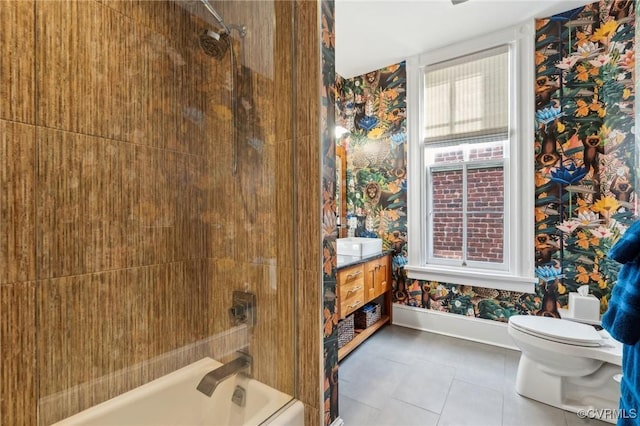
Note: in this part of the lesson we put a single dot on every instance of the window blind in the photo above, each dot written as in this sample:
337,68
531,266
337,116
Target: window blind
467,98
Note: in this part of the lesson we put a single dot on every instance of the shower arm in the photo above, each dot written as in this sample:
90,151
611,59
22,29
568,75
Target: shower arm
216,15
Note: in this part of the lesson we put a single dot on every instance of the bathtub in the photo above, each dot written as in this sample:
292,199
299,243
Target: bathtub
174,400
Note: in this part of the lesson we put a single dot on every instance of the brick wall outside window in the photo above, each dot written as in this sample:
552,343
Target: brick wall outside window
485,203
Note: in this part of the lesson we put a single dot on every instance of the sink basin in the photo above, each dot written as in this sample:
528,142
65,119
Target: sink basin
358,246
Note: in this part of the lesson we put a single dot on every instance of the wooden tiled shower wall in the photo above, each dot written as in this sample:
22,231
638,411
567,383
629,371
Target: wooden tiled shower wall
122,228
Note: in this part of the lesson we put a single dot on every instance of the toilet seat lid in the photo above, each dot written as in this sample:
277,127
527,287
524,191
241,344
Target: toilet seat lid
559,330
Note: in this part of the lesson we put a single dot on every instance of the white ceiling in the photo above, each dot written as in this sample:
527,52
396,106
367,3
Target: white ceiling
371,34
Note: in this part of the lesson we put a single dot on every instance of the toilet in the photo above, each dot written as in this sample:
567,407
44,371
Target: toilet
568,365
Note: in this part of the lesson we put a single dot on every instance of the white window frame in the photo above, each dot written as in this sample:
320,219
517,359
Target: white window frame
518,271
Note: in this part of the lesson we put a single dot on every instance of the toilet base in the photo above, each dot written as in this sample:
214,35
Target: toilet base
597,394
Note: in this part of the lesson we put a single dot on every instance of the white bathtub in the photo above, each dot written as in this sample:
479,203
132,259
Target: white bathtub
174,400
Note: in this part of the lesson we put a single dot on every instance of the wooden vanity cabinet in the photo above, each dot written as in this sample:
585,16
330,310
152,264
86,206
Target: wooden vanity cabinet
359,284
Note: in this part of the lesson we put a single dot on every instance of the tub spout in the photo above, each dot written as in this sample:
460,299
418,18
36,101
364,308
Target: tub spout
213,378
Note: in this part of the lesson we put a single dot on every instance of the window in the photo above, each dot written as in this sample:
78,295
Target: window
466,123
471,163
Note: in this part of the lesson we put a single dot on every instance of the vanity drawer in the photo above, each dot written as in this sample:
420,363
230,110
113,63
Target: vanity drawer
351,275
351,303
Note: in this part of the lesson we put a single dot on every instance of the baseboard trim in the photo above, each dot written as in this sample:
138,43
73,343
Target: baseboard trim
469,328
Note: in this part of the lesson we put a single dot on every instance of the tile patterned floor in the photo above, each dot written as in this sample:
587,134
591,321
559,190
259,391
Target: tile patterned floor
405,377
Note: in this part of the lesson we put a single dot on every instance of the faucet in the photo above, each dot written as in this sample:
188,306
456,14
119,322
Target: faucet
213,378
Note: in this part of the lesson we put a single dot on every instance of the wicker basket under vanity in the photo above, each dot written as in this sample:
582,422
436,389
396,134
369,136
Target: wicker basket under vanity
345,330
368,315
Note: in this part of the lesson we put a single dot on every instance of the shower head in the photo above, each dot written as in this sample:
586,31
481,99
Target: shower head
215,44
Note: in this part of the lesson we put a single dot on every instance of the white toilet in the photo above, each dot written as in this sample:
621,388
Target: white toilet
568,365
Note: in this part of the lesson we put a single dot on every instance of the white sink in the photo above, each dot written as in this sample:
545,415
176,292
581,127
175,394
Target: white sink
358,246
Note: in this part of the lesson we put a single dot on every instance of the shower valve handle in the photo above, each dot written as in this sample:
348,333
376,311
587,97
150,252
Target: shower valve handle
243,308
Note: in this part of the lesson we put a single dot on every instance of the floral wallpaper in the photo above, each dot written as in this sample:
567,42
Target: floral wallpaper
585,164
329,230
585,148
372,107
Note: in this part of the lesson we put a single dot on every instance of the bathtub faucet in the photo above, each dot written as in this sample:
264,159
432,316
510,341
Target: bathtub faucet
213,378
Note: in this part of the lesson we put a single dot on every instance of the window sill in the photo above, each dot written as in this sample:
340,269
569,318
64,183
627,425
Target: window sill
475,277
